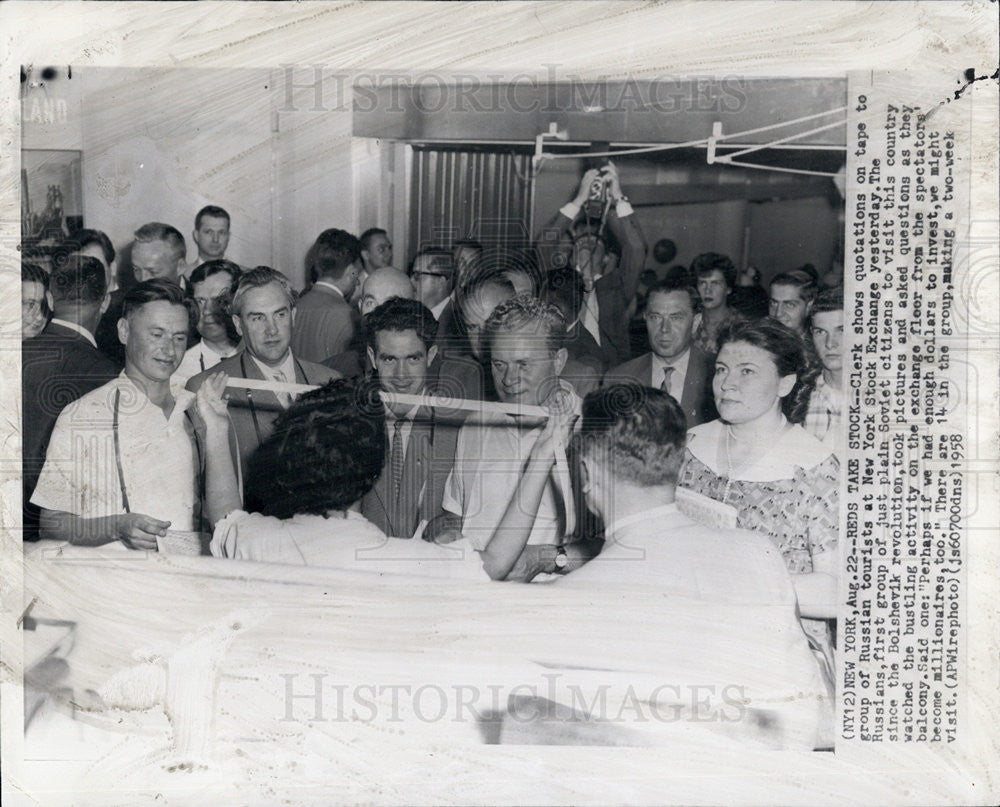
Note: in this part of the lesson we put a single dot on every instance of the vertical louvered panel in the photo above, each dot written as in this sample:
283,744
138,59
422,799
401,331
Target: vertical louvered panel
468,194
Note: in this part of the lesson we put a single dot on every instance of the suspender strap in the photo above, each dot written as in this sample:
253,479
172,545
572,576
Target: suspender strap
118,451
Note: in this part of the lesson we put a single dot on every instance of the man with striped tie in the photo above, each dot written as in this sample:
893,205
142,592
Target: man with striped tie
673,365
420,441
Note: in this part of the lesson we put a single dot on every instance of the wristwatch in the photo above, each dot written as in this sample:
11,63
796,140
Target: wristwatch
561,560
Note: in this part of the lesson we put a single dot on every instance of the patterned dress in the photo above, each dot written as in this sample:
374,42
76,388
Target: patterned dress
791,494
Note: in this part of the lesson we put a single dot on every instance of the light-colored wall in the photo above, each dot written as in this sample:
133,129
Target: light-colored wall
160,144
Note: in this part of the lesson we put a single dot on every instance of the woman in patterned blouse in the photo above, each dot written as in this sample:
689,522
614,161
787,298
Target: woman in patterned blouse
779,479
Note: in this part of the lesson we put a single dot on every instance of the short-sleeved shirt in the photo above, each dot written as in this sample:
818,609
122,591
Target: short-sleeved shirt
158,458
489,460
349,541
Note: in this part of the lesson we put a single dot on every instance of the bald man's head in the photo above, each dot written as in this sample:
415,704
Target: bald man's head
384,284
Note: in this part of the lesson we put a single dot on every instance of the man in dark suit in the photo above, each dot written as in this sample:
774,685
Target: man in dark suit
421,441
609,288
565,289
673,365
325,319
157,252
263,311
61,364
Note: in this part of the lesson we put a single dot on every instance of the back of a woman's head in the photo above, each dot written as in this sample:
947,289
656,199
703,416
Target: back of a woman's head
788,353
326,452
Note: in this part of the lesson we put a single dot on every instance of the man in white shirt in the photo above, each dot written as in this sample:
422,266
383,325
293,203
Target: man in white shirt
524,338
263,310
325,319
122,462
630,450
674,364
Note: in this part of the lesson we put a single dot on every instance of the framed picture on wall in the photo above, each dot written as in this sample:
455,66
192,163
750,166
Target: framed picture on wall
51,195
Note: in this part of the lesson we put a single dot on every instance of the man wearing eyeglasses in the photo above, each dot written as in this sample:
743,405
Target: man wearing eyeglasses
433,276
673,365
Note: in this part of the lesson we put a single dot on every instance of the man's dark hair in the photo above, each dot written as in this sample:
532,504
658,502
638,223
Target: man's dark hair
639,431
335,251
205,270
82,239
151,291
831,299
365,241
212,211
33,273
398,314
674,284
467,243
326,452
439,261
709,262
803,281
564,288
158,231
78,280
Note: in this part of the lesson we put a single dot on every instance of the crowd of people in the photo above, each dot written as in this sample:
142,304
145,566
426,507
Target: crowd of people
209,398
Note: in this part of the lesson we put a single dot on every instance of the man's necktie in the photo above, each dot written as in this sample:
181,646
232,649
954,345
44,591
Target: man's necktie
396,456
283,397
668,372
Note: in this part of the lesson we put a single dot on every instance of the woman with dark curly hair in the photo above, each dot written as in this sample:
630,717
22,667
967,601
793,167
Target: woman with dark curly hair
308,478
756,458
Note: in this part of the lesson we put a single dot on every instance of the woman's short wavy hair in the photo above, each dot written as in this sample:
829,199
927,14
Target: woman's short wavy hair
639,432
788,352
326,452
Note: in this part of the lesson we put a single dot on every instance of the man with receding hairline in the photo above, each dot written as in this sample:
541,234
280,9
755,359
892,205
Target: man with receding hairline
157,253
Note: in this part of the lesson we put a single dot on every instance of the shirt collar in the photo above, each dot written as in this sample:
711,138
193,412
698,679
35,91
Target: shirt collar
287,367
326,284
74,327
182,398
654,513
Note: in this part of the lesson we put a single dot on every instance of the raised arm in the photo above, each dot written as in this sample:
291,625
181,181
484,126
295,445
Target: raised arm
510,538
625,229
222,494
550,237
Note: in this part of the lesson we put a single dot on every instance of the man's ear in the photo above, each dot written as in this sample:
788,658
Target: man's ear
237,324
123,331
432,353
696,322
52,303
371,356
560,359
106,301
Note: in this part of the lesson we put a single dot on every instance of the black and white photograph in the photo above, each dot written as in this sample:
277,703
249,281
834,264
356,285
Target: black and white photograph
522,403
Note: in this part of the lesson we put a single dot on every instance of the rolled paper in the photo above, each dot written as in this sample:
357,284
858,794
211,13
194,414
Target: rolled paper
561,475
